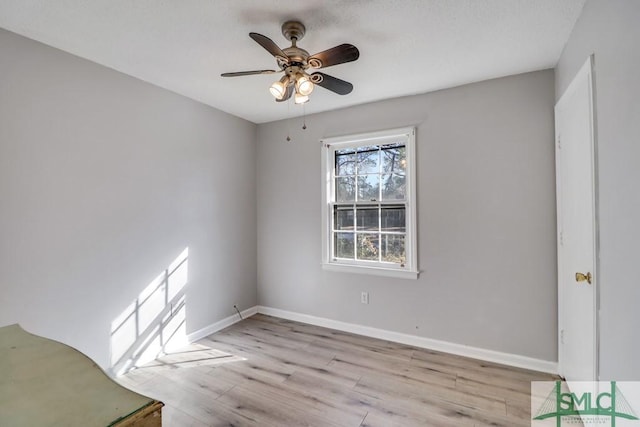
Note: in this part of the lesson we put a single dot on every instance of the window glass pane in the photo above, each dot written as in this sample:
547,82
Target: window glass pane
393,248
343,245
367,218
394,159
343,218
345,162
345,189
392,219
368,160
368,187
393,187
368,246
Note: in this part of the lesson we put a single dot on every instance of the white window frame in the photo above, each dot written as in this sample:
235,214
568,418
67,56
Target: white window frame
329,145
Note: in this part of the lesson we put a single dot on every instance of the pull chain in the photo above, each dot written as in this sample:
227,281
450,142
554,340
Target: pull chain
304,116
288,120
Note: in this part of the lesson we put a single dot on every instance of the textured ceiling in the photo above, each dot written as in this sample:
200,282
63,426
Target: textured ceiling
406,46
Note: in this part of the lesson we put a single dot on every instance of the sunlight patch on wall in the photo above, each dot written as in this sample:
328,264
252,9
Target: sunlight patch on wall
153,323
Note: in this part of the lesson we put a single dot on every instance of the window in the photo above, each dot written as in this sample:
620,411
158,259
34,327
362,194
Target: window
369,209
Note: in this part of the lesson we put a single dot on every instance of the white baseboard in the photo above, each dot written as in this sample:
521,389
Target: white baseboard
221,324
416,341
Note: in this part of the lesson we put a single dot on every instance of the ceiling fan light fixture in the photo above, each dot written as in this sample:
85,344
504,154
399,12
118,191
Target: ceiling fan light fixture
300,99
304,86
279,89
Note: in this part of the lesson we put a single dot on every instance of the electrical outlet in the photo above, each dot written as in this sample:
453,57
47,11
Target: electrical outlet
364,297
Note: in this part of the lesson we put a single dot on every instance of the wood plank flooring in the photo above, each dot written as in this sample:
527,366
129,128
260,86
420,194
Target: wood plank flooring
266,371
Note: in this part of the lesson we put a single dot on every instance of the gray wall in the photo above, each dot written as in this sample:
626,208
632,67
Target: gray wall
609,29
486,209
104,180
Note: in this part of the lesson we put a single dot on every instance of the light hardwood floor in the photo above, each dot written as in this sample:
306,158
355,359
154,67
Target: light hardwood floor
265,371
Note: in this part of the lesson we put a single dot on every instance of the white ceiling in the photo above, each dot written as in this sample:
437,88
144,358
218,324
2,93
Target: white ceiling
406,46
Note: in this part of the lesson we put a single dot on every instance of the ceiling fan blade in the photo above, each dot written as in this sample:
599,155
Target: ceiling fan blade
287,94
269,45
247,73
334,84
334,56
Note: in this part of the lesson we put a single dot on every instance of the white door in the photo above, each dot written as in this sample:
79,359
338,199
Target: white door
577,242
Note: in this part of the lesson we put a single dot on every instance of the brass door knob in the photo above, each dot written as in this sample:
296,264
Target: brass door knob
583,277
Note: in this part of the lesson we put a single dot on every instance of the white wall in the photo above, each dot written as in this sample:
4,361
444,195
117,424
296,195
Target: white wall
609,29
486,208
104,180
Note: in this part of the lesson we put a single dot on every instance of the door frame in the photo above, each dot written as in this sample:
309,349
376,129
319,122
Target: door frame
586,71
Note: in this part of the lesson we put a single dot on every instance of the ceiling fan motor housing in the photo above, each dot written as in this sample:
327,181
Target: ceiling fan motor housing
297,56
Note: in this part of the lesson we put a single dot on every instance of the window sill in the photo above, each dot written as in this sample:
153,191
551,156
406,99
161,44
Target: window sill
376,271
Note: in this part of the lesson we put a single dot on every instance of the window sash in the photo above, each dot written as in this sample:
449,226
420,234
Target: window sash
369,179
379,232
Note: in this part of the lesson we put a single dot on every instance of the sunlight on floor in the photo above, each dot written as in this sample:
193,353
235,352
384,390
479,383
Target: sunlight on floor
193,355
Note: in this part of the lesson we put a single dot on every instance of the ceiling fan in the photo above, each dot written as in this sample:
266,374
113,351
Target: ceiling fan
295,62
